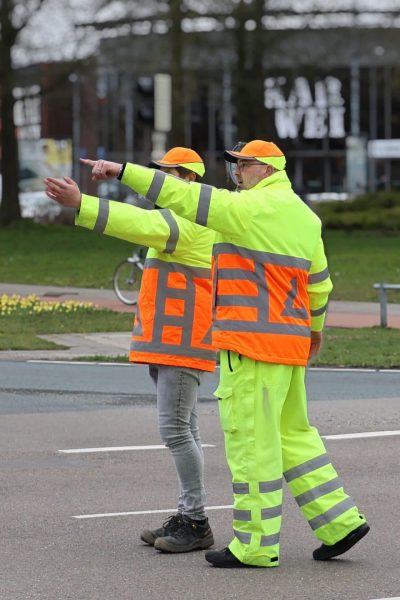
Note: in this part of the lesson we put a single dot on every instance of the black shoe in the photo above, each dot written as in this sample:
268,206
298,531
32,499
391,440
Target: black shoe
326,552
190,535
150,535
224,559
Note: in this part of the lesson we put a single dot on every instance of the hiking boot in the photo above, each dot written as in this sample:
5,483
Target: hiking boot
149,536
190,535
326,552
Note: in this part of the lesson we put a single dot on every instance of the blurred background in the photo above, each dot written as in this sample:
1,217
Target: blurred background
126,79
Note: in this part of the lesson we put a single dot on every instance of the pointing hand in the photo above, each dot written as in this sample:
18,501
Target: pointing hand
102,169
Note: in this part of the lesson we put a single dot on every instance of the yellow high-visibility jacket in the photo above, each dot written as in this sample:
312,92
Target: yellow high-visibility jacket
271,279
173,321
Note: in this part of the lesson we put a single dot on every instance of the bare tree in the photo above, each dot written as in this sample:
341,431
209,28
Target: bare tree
14,16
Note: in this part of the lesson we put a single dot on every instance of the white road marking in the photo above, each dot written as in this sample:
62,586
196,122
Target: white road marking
391,598
366,434
121,364
344,369
144,512
120,449
79,362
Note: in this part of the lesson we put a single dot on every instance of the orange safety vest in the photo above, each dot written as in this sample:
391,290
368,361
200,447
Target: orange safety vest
173,321
270,275
265,322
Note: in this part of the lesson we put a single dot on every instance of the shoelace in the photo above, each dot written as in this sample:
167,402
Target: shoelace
186,526
172,520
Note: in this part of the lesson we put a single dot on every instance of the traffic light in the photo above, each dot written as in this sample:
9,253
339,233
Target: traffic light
145,99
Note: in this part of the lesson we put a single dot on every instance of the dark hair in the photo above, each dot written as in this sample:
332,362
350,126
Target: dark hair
183,172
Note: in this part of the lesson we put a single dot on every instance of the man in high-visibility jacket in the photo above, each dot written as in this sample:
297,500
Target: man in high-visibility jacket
271,285
172,333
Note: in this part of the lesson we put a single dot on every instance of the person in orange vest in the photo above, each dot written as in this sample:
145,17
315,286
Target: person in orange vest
271,285
172,331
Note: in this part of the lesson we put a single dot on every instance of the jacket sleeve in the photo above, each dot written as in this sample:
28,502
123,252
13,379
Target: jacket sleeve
159,229
319,287
220,210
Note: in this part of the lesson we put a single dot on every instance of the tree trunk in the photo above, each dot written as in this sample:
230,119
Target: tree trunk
9,207
252,119
178,107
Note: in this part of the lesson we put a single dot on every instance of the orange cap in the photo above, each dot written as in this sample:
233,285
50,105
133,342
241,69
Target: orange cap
265,152
181,157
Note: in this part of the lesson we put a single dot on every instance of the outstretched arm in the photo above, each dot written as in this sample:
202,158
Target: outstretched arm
103,169
64,191
159,229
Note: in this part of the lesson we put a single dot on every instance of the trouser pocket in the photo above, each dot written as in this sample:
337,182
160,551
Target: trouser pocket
226,405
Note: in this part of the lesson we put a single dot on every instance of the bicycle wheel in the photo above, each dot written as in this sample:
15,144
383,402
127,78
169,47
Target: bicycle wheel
126,281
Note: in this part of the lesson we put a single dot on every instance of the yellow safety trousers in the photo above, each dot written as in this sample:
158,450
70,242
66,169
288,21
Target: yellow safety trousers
263,413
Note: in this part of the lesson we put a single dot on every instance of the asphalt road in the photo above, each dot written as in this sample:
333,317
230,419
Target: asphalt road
53,547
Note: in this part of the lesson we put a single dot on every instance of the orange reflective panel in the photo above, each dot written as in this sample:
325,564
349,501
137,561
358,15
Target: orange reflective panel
176,280
237,313
237,287
171,335
234,261
174,307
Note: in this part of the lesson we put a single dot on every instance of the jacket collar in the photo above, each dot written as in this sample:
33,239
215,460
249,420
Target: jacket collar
279,178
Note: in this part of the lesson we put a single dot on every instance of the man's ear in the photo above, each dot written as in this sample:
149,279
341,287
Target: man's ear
191,176
270,170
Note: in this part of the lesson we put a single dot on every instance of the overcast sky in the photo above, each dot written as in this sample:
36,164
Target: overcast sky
51,35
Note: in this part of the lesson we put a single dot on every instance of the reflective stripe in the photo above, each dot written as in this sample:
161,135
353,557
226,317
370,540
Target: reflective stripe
319,311
102,217
176,350
242,515
271,513
245,538
270,486
257,327
240,488
204,204
262,257
317,277
156,185
269,540
174,230
331,514
307,467
290,310
189,271
318,491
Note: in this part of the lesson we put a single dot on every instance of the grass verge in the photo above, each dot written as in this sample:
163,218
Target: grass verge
71,256
59,255
373,347
19,332
369,347
358,259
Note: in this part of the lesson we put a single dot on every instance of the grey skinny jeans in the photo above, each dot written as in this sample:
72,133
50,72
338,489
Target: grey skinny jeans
178,424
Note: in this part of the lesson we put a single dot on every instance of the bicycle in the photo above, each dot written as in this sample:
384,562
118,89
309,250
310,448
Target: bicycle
127,277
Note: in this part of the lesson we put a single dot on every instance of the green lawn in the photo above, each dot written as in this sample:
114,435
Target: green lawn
58,255
67,255
371,347
20,332
367,347
358,259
